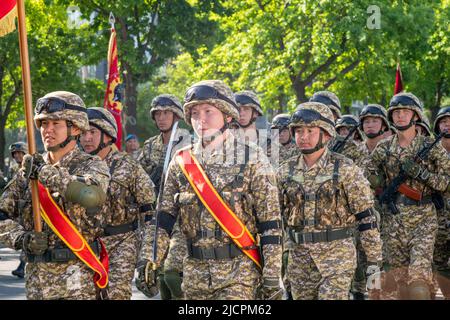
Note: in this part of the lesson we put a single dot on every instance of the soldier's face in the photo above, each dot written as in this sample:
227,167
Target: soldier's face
90,140
18,156
444,124
54,132
245,115
402,117
308,137
343,131
372,124
164,119
132,145
207,120
284,136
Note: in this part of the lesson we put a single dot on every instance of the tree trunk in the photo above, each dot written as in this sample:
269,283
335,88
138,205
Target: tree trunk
130,117
300,92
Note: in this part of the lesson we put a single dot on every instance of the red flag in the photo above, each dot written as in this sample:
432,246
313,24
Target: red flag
8,14
113,96
398,80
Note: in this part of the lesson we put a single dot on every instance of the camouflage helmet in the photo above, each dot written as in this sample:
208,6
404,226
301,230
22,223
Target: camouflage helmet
281,121
329,99
214,92
405,100
443,112
248,98
103,120
61,105
166,102
349,121
425,124
313,114
19,146
376,111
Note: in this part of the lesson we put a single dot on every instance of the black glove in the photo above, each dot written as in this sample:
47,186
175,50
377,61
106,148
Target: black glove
35,242
32,165
173,280
146,281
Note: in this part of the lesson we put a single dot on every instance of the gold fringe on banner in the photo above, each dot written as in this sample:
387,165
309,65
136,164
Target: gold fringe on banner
7,23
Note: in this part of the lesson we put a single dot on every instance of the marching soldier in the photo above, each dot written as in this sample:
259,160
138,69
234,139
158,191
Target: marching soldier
423,127
323,196
411,236
225,196
130,195
329,99
165,111
72,187
286,146
347,128
442,246
132,146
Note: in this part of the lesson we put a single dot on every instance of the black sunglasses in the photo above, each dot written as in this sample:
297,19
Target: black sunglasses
404,101
308,116
52,105
95,114
204,93
367,110
15,146
242,99
164,102
323,99
347,121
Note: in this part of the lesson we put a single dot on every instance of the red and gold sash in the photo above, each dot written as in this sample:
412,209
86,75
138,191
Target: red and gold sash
216,206
66,231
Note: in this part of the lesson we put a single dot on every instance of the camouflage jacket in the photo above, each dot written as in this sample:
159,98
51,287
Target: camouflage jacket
16,200
387,157
332,201
350,150
130,190
248,187
135,154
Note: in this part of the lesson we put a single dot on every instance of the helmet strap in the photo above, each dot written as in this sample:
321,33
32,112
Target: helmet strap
102,144
318,146
409,125
69,138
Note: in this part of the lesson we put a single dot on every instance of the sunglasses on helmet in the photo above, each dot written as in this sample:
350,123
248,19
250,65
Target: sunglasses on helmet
97,115
325,100
15,146
368,110
242,99
164,102
308,116
52,105
404,101
204,93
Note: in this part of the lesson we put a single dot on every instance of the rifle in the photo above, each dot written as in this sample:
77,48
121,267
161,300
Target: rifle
397,185
339,146
171,144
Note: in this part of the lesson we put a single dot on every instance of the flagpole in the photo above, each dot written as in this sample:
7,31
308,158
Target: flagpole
27,97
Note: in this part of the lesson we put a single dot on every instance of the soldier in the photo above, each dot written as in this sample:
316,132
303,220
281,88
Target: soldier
165,111
423,127
17,150
349,147
223,193
323,196
249,110
442,246
130,195
132,146
413,222
72,190
281,123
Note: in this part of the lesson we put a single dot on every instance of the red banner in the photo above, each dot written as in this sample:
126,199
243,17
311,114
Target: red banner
8,14
113,95
398,80
212,201
68,233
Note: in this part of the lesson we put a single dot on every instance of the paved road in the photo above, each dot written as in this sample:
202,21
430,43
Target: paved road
13,288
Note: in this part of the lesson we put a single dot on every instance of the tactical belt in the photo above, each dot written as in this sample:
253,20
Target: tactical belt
228,251
123,228
315,237
308,222
402,199
59,255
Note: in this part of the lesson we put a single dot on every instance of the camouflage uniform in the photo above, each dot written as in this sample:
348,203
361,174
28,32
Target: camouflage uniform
70,279
136,153
329,198
250,191
130,194
410,236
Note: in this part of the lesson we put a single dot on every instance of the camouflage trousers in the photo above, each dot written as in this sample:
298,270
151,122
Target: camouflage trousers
323,276
442,252
177,250
234,279
410,243
122,251
59,281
